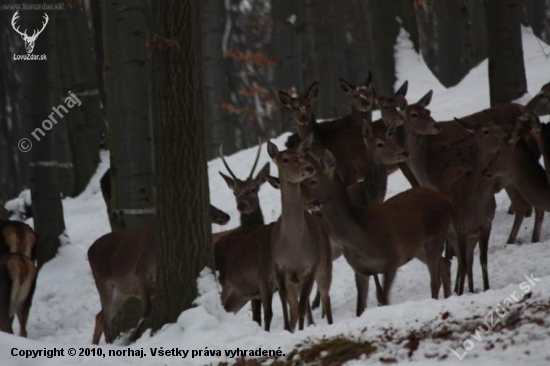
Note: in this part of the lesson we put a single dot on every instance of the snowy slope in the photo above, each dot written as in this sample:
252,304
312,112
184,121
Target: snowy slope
66,300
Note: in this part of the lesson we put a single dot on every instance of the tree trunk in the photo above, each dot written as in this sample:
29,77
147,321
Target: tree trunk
285,50
76,69
183,230
127,87
506,69
451,37
538,13
97,32
324,41
38,91
220,128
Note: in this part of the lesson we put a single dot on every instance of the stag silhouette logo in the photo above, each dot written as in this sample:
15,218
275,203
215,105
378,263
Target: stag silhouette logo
29,40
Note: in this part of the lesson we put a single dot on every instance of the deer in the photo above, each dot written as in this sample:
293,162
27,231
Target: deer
362,100
119,276
29,40
4,213
17,274
385,236
232,280
300,247
515,161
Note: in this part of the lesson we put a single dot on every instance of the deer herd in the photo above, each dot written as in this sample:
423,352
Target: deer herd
333,178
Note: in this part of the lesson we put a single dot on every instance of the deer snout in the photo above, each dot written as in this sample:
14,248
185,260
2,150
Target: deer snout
242,206
224,219
487,173
405,154
437,128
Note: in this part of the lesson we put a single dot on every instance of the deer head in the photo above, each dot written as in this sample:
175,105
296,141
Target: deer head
29,40
301,107
383,149
540,104
418,118
293,165
390,107
361,96
217,216
488,135
246,191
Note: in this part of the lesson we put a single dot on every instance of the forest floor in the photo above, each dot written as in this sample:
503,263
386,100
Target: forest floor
413,329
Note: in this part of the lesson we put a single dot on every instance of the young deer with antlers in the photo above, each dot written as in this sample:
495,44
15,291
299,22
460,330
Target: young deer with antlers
239,255
300,248
119,276
385,236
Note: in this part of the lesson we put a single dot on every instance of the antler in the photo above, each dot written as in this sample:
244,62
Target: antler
13,19
257,157
43,26
225,163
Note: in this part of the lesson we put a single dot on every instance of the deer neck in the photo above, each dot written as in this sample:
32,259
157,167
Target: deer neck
311,128
374,186
253,218
529,177
293,220
358,117
417,146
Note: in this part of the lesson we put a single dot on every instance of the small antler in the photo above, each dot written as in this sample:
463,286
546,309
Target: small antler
13,19
257,157
225,163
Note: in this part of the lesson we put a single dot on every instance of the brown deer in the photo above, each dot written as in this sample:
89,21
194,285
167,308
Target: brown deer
515,160
300,248
119,276
540,104
17,274
386,236
4,213
248,204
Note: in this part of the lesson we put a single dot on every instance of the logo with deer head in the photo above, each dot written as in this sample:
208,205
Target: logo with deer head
29,40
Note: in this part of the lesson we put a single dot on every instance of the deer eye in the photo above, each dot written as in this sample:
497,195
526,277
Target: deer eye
253,190
286,160
312,183
414,115
486,132
380,144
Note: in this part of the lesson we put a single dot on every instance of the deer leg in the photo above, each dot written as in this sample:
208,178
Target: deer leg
462,244
445,274
379,290
389,276
293,304
145,312
470,263
518,219
109,312
23,313
317,300
303,305
283,295
433,261
511,209
266,294
98,329
539,218
256,305
362,285
521,206
483,250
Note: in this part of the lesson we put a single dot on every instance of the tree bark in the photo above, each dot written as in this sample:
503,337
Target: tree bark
97,32
285,50
127,88
38,90
506,69
220,128
76,69
452,39
183,230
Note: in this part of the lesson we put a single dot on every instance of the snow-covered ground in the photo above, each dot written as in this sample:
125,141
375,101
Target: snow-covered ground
414,328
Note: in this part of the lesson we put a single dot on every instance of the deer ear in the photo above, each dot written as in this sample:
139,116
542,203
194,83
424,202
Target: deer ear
305,145
402,91
273,181
312,91
260,177
390,130
230,182
345,85
426,99
467,125
285,98
328,163
368,82
401,102
272,150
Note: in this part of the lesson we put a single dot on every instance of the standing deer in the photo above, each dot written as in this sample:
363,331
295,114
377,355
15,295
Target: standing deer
385,236
17,274
239,267
123,265
300,248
